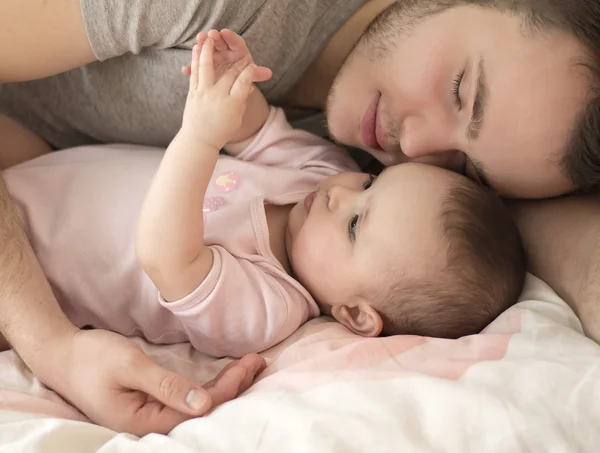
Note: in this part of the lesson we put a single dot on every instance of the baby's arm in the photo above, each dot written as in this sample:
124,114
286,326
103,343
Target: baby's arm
255,118
170,234
241,307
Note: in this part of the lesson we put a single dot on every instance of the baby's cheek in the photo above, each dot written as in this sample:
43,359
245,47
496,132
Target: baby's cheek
313,261
303,258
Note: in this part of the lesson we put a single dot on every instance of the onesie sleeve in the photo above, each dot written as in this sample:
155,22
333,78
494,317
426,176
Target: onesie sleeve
241,307
278,144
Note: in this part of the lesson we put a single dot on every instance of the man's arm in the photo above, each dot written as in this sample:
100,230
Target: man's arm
562,237
39,38
18,144
29,314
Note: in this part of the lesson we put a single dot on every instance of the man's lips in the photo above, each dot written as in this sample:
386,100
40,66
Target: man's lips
308,201
369,129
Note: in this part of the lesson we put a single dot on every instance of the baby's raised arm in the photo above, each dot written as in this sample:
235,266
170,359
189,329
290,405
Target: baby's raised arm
170,233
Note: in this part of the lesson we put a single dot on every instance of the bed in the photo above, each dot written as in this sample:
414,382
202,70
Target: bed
529,383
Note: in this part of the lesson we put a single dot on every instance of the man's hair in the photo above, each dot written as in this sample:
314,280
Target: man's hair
483,274
578,18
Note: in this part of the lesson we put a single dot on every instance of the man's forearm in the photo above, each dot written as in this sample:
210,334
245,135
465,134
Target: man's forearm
562,237
30,317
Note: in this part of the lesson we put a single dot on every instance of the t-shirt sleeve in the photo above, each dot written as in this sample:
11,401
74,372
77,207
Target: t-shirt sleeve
240,308
136,92
116,27
278,144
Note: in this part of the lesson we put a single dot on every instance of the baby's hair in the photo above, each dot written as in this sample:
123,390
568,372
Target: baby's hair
483,275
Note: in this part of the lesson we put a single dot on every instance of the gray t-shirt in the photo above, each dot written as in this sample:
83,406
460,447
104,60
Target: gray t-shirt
136,92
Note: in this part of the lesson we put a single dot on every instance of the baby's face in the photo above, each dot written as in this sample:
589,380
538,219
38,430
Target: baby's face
343,239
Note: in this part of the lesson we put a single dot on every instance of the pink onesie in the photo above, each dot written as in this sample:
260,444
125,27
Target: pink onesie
80,207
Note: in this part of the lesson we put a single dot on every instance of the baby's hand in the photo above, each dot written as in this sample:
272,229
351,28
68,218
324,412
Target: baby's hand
215,103
231,51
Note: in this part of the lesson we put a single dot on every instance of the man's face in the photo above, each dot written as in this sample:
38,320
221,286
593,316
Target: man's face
468,88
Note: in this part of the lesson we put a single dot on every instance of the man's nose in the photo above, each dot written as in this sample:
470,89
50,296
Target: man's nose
431,142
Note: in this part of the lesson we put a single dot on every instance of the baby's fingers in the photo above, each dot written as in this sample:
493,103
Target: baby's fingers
243,86
194,68
200,38
233,40
220,44
262,73
207,70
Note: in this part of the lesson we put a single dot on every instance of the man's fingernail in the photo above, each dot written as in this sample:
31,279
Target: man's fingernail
195,400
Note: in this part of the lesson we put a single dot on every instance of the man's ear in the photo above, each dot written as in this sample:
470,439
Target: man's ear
362,319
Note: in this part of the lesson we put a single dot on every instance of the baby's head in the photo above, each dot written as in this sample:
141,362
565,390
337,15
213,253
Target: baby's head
418,250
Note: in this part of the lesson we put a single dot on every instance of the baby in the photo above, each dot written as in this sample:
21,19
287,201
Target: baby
237,252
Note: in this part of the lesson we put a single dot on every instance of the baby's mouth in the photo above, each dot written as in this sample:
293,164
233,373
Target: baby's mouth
308,201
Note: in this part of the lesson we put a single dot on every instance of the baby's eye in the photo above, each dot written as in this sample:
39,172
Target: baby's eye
352,227
370,182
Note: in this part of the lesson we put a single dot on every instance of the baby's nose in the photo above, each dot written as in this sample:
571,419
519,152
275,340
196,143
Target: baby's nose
338,195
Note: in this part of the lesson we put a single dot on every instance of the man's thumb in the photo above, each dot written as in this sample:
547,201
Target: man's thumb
173,390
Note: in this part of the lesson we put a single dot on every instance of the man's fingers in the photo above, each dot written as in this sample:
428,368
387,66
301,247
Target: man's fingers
154,417
210,384
169,394
227,386
171,389
254,364
235,378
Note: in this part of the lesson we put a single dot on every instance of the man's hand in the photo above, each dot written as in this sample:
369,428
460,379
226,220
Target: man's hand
116,385
231,52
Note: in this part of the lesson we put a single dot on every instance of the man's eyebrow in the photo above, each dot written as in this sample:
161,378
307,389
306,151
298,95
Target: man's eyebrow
479,104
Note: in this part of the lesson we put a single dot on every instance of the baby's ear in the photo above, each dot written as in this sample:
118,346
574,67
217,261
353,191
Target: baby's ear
362,319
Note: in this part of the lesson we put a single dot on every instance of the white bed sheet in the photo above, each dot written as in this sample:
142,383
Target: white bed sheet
529,383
